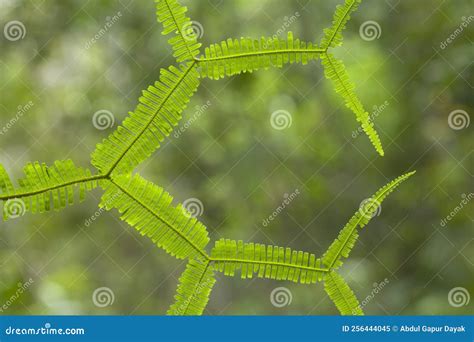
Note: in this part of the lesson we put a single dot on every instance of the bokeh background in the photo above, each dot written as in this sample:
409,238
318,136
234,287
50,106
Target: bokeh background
240,167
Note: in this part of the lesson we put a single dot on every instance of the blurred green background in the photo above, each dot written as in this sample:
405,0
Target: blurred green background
236,164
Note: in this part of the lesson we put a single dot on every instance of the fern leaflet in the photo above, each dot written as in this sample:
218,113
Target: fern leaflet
194,289
267,261
333,35
335,71
233,57
173,17
348,236
148,208
45,188
141,133
342,295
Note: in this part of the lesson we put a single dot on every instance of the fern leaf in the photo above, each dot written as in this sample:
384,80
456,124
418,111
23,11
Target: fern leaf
45,188
194,289
348,236
342,295
148,209
141,133
335,71
333,35
173,17
233,57
267,261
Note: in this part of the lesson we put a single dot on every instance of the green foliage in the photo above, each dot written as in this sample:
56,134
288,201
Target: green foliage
333,35
154,118
348,236
148,208
173,17
342,295
194,289
45,188
233,57
266,261
336,72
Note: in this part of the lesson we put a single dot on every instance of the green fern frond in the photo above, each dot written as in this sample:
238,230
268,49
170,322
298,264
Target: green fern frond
148,208
348,236
335,71
267,261
194,289
233,57
173,17
342,295
45,188
157,113
333,35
